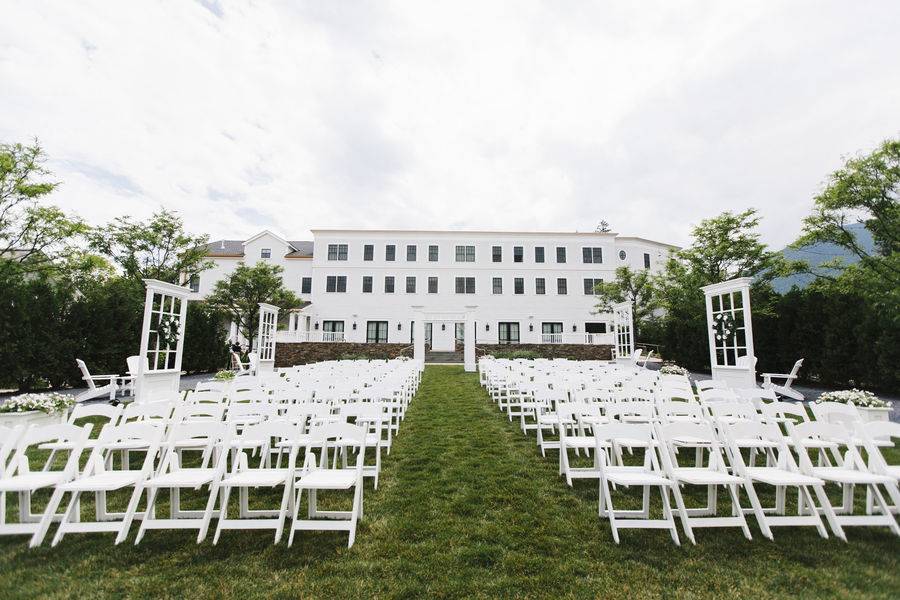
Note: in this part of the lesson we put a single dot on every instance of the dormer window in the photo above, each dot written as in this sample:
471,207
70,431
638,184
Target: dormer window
265,253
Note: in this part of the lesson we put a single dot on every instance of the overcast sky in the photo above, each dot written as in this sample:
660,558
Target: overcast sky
536,115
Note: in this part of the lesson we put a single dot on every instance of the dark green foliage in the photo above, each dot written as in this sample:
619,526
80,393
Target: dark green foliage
206,341
49,325
514,354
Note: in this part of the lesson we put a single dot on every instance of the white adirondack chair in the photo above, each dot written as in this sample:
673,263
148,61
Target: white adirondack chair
95,391
784,389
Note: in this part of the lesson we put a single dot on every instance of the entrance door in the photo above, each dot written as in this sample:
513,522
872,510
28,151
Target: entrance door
509,333
428,335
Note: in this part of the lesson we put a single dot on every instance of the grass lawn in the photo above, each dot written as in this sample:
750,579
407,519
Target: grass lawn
466,508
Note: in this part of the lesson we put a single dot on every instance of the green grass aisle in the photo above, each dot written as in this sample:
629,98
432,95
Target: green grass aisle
467,508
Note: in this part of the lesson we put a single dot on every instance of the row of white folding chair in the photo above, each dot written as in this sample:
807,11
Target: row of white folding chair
100,479
731,470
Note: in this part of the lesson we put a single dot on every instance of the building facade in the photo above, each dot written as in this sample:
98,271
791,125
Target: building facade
369,285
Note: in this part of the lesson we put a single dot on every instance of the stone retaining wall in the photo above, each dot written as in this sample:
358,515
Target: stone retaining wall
290,354
570,351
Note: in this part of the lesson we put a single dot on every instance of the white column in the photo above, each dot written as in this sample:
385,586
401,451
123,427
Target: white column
469,347
419,340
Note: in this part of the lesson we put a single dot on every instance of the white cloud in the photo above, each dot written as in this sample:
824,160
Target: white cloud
245,115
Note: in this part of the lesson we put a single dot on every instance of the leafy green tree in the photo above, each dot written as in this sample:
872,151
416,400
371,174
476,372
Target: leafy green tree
32,236
866,190
239,294
723,247
156,249
637,287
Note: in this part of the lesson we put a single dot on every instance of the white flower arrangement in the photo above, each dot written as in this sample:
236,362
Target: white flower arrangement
857,397
673,369
167,330
51,403
723,326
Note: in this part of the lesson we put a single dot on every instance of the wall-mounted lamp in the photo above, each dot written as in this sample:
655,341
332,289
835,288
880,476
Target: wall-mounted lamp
316,325
354,326
531,327
487,326
443,327
574,328
399,326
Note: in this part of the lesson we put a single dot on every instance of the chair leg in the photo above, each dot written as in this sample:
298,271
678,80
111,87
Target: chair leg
46,519
152,493
70,510
130,512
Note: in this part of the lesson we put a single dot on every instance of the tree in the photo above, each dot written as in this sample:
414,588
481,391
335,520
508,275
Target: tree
866,190
156,249
239,295
724,247
728,246
603,227
32,236
637,287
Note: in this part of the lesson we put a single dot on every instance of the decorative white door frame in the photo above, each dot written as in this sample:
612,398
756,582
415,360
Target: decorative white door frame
162,341
729,328
422,316
266,337
623,330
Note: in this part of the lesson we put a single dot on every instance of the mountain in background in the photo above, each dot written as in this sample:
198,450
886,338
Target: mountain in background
818,254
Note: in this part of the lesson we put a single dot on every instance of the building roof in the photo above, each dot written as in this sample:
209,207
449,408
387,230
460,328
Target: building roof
235,248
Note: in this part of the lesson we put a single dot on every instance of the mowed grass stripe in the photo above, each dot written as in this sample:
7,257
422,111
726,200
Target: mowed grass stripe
466,507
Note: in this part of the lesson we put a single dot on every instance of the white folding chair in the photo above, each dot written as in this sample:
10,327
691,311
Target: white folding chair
18,477
106,412
245,475
645,476
781,472
715,473
205,437
875,436
100,478
848,474
338,439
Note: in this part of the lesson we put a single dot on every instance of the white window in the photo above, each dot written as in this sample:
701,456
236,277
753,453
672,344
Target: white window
195,283
592,255
590,285
465,254
265,253
336,283
337,251
465,285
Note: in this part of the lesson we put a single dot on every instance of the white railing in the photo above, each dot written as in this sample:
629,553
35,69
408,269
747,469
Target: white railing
578,338
288,337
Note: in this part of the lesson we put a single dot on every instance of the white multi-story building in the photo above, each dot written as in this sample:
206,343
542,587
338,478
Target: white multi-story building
369,285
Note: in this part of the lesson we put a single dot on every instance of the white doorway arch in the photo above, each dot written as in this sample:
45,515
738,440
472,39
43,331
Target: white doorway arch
422,316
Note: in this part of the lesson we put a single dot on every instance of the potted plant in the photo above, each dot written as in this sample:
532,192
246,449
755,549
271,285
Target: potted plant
39,409
673,369
224,376
870,406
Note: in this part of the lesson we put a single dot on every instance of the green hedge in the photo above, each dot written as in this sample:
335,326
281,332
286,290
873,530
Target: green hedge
844,340
45,325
